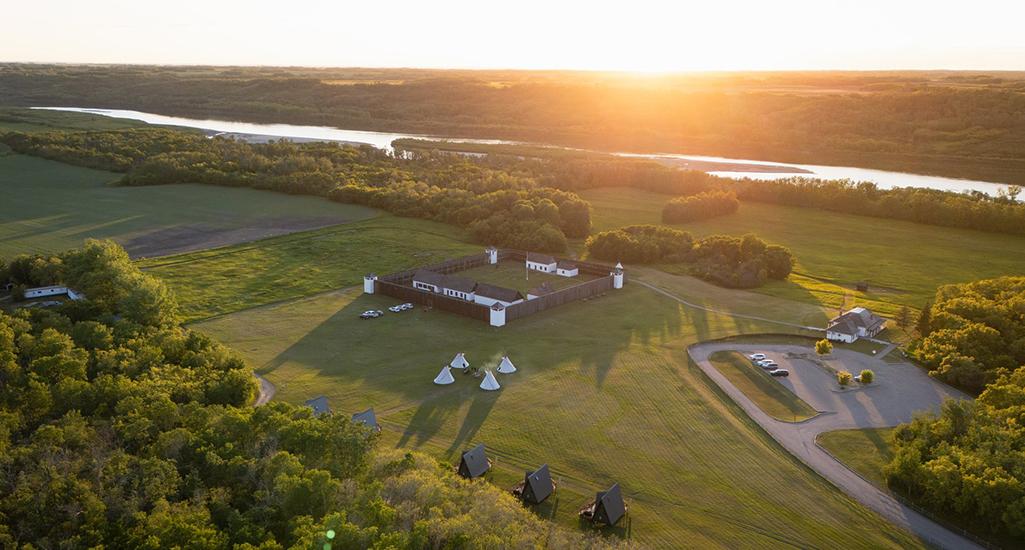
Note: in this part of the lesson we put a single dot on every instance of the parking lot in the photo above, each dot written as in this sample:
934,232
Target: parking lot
900,390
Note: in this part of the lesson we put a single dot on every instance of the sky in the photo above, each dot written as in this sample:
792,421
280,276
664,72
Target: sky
636,35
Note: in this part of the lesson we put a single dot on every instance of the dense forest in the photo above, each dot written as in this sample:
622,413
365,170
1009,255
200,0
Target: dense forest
968,460
952,124
709,204
732,262
975,332
126,431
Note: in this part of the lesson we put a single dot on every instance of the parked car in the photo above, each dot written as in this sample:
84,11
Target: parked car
764,362
407,305
366,316
771,365
396,309
780,372
756,357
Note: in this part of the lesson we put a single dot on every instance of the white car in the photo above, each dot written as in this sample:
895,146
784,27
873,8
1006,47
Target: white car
764,362
769,365
407,305
396,309
756,357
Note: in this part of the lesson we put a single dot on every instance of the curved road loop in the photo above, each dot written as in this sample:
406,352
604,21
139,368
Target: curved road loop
901,389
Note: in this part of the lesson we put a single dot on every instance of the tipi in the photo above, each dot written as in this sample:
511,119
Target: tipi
506,367
445,377
459,362
489,382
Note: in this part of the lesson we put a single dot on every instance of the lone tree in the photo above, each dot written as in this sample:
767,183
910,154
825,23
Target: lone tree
823,347
924,325
903,318
844,378
866,377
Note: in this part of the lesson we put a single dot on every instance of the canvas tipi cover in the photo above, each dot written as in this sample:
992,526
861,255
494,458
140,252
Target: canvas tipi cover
459,362
489,382
445,377
506,367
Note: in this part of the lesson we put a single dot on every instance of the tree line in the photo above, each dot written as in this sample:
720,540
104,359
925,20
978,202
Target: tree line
499,207
709,204
119,431
967,459
1000,213
732,262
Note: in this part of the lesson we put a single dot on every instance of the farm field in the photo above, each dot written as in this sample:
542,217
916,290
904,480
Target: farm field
604,393
510,274
770,396
221,280
903,262
48,206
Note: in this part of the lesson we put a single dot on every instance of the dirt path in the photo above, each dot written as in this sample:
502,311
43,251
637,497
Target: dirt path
884,405
267,391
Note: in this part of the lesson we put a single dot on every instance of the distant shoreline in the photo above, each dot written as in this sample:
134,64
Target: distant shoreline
714,166
265,138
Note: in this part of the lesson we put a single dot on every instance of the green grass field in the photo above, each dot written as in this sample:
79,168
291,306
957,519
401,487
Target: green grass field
222,280
770,396
864,450
512,275
604,392
48,206
903,262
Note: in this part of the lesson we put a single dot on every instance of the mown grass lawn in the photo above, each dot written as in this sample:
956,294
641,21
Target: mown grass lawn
903,262
604,393
216,281
510,274
758,385
48,206
865,450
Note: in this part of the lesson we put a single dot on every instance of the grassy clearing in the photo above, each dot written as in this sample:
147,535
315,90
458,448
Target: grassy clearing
903,262
222,280
511,274
864,346
605,392
771,397
864,450
48,206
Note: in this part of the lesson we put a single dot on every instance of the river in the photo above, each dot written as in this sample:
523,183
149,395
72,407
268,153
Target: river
739,168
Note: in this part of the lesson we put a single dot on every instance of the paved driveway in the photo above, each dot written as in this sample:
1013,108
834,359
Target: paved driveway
900,390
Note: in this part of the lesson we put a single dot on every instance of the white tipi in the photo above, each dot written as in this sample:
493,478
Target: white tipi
506,367
489,382
445,376
459,362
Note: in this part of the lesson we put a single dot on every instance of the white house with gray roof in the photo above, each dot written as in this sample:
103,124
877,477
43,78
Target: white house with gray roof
856,323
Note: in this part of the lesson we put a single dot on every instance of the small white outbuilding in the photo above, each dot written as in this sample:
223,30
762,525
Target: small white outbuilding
489,382
459,362
506,367
445,376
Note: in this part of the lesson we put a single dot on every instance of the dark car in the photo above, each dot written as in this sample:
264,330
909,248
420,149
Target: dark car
780,372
